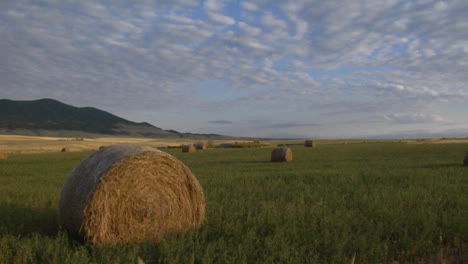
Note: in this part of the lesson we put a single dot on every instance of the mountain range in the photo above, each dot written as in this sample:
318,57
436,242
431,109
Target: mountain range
49,117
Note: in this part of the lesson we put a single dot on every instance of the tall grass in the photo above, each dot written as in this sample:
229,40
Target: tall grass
367,203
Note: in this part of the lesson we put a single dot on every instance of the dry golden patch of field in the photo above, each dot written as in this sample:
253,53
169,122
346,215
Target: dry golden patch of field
437,140
33,144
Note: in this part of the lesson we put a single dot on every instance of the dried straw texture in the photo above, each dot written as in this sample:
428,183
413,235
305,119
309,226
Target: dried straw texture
281,155
309,143
465,161
66,149
188,148
201,145
126,194
3,156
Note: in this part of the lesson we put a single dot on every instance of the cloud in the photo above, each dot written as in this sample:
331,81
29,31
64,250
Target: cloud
249,30
329,58
291,125
273,22
213,5
220,122
249,6
301,25
413,118
220,18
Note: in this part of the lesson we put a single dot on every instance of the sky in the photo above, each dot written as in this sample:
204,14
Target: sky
265,68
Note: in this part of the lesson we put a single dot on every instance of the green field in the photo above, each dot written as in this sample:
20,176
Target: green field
337,203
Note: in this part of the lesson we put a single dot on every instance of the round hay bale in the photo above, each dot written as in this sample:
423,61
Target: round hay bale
200,145
125,194
3,156
66,149
281,155
309,143
188,148
465,161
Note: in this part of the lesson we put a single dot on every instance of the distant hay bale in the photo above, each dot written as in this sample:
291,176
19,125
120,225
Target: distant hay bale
465,161
309,143
188,148
126,194
201,145
281,155
3,156
66,149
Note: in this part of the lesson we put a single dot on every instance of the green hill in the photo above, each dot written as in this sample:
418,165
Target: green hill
49,117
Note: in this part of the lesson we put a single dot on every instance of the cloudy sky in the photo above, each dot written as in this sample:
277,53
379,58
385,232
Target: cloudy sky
261,68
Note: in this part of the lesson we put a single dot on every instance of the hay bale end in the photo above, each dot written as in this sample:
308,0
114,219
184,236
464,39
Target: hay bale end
309,143
201,145
126,194
281,155
188,148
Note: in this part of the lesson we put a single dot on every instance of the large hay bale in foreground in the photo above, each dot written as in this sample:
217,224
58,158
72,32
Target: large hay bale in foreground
465,162
200,145
281,155
309,143
125,194
66,149
188,148
3,156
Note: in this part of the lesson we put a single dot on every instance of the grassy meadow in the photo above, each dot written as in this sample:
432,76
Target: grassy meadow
372,202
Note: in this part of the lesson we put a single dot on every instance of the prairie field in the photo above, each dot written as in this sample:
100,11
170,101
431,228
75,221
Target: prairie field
340,202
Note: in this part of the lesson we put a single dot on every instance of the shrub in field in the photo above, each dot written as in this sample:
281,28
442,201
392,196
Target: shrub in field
179,146
124,194
226,145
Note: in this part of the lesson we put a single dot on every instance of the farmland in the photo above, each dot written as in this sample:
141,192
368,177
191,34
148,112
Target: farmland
341,202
